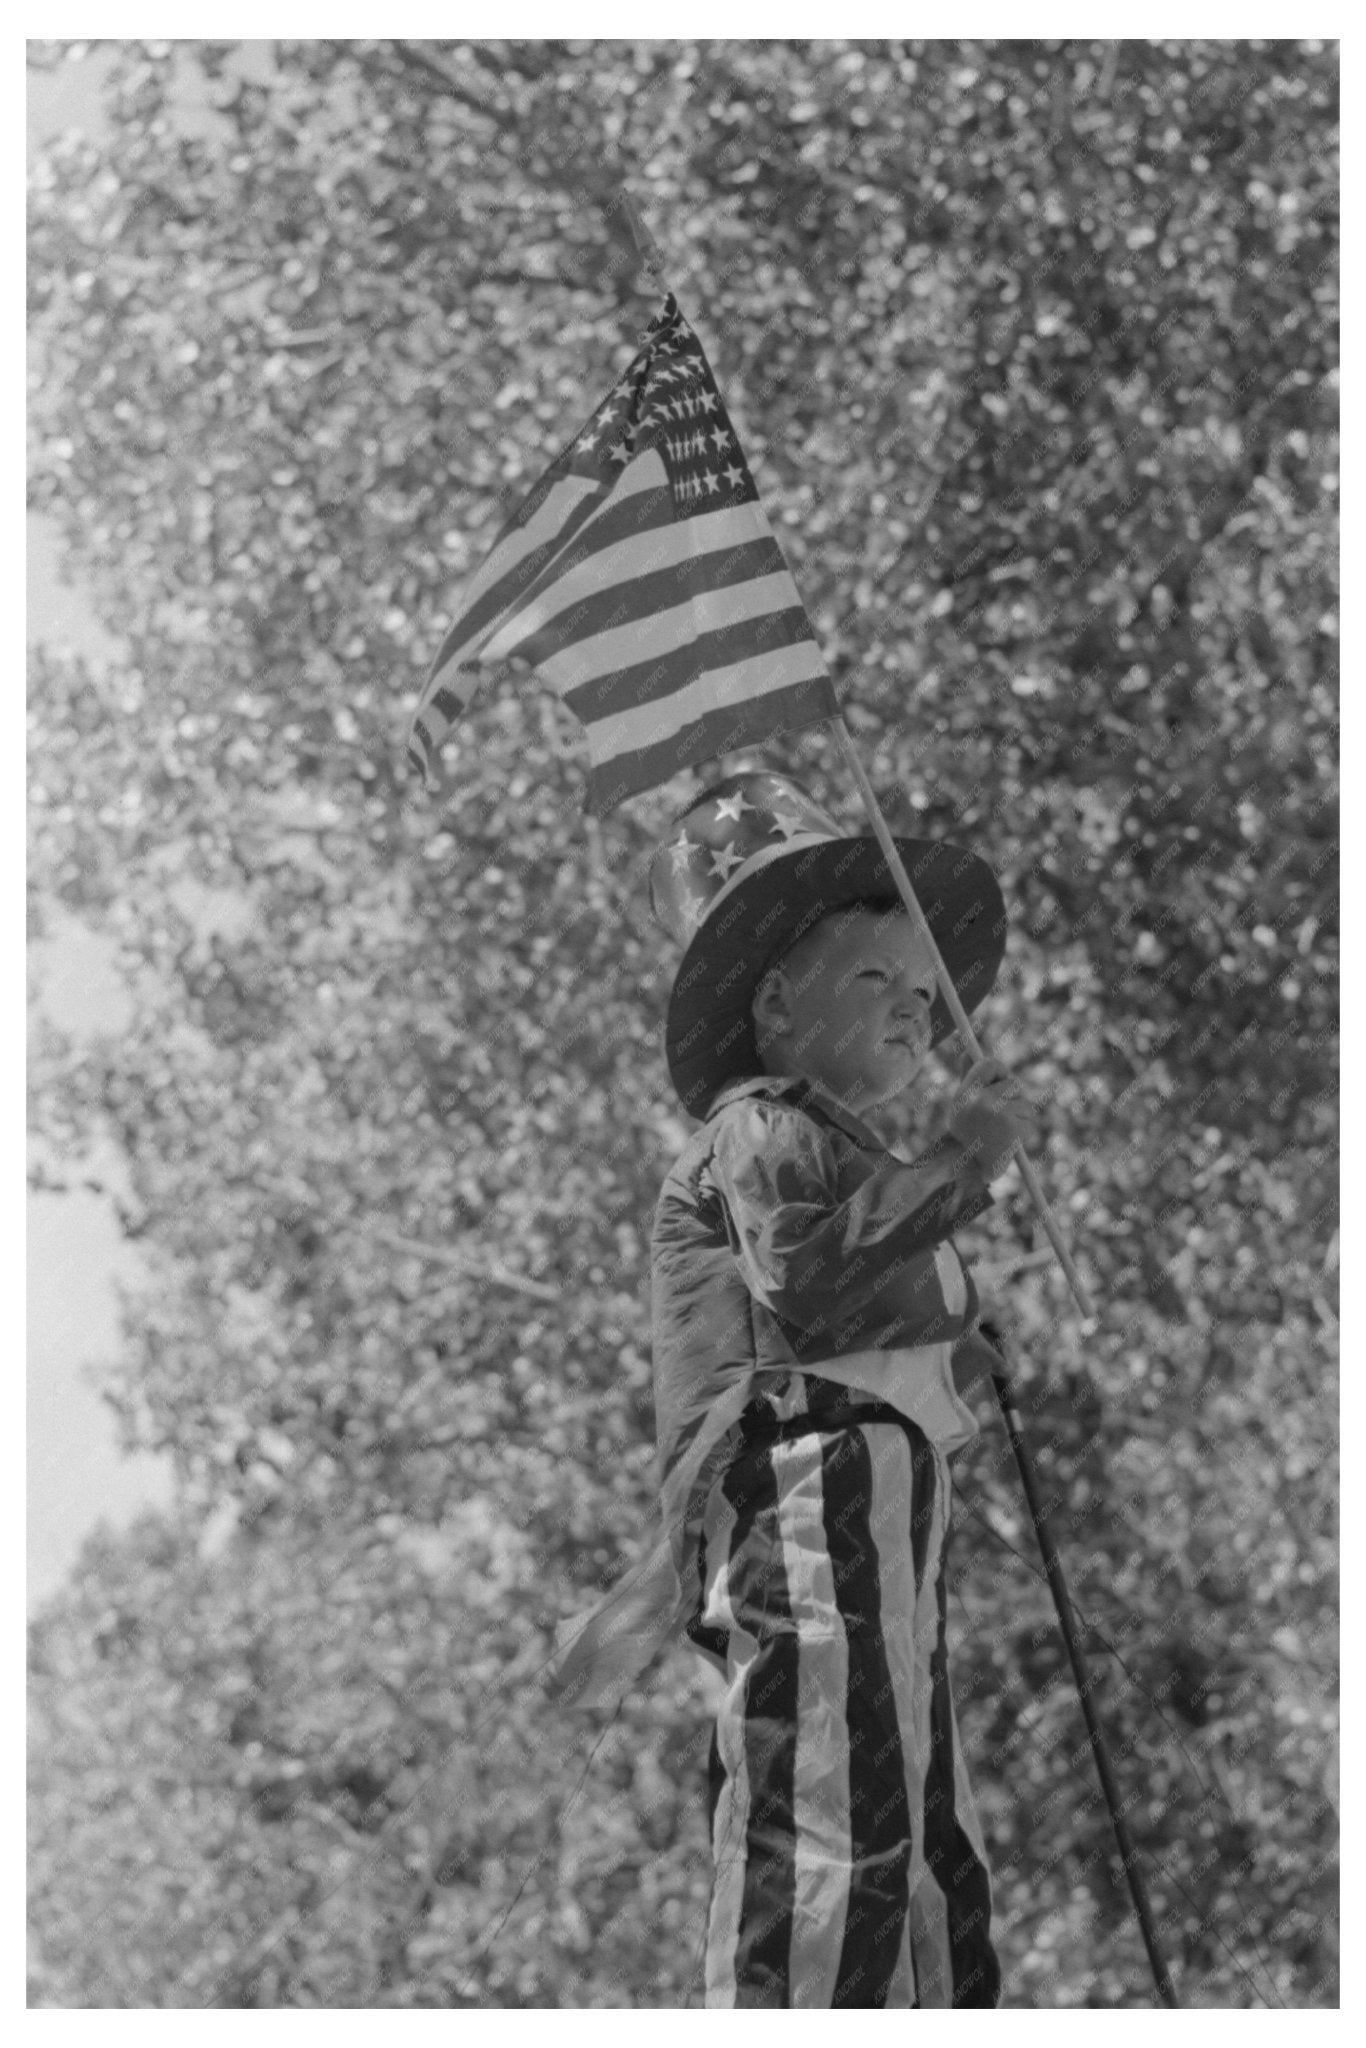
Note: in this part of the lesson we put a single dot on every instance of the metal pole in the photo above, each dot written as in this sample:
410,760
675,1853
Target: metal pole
1062,1601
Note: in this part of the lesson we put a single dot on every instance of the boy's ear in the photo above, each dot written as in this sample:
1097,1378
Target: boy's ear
771,1004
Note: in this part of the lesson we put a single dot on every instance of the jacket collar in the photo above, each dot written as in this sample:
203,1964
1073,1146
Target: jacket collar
807,1094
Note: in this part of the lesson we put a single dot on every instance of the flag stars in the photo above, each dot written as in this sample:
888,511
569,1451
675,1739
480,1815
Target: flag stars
732,807
666,402
724,859
784,822
682,850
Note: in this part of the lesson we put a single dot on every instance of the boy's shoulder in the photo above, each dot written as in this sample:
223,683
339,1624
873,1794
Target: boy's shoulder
755,1092
767,1087
685,1179
790,1090
799,1092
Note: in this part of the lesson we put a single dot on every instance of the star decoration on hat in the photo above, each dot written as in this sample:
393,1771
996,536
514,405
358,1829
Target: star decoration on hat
723,840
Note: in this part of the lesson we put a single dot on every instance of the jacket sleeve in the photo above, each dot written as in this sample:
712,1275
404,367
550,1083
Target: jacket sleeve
810,1258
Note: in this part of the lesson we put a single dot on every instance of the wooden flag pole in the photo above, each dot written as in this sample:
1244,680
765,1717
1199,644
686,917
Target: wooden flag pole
955,1007
647,248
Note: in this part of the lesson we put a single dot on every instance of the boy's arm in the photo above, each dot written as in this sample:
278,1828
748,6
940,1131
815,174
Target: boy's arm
809,1257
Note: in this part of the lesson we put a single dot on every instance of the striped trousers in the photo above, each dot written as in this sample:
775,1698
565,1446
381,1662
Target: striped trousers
849,1868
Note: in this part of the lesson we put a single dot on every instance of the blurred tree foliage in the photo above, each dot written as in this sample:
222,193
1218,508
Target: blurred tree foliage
1033,347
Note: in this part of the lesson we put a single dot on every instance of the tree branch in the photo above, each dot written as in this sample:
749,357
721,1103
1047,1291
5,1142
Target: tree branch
499,1275
418,60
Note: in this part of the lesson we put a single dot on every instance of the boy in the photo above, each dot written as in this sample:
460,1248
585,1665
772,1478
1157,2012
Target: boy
806,1300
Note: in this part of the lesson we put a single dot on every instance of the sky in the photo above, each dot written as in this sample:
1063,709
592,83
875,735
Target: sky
77,1260
77,1474
76,1253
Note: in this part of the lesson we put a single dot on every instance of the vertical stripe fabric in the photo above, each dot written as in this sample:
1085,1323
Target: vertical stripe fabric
849,1866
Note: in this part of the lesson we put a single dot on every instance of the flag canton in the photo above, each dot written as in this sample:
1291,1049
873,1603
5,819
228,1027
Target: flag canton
667,399
640,580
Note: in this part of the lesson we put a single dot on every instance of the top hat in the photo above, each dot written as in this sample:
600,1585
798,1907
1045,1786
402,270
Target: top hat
754,863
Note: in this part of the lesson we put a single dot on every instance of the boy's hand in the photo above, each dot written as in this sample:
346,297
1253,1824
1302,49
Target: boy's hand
990,1113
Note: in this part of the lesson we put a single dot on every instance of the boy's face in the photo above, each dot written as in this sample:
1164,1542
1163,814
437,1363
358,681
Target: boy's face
849,1007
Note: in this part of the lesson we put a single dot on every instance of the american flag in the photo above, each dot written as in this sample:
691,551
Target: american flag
642,582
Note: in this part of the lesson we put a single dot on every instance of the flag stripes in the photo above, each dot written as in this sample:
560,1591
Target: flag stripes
638,577
516,561
607,681
641,580
782,709
642,506
756,677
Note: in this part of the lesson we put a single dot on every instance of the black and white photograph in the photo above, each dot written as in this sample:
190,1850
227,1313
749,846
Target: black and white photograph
682,881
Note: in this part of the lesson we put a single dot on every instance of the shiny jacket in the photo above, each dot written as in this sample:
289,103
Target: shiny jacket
786,1241
787,1236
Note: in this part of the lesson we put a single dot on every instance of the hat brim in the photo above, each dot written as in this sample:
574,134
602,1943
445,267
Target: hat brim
709,1032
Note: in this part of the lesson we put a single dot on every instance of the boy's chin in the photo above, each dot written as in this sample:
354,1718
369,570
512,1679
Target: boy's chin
900,1065
893,1079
